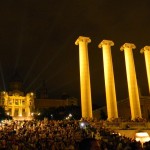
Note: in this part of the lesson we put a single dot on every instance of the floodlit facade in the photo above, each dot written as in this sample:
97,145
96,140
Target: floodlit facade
17,105
22,106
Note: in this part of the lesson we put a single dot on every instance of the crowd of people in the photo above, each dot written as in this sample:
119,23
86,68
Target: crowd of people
63,135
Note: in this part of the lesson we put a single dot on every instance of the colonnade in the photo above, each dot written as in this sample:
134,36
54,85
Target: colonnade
112,111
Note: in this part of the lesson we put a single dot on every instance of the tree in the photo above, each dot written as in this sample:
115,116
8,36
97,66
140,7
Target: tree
2,113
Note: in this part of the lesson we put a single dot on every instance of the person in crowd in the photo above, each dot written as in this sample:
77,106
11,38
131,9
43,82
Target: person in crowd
62,135
89,144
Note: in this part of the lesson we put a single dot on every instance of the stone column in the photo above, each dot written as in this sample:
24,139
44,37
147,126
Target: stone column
27,105
20,110
146,51
13,107
132,81
20,107
27,110
86,102
12,111
111,102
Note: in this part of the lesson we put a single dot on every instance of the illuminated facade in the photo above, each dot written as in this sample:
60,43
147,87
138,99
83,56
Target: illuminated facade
17,105
15,102
22,107
146,51
86,102
109,79
132,81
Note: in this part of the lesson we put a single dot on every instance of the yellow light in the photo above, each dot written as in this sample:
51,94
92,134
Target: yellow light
142,134
142,137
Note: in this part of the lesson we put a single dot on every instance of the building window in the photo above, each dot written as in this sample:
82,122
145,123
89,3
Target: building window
16,113
16,102
23,112
9,111
23,102
10,102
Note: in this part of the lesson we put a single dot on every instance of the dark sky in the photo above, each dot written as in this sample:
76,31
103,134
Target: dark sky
37,38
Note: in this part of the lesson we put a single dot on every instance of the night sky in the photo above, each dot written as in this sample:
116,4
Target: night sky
37,38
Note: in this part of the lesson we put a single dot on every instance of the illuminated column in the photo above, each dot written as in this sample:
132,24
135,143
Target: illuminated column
20,111
132,81
12,111
13,107
29,98
109,79
27,110
20,107
86,102
146,51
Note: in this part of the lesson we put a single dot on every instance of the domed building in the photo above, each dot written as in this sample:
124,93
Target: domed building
21,106
15,102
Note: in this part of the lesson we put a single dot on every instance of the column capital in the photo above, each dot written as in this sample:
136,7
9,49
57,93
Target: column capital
146,48
127,45
83,39
106,42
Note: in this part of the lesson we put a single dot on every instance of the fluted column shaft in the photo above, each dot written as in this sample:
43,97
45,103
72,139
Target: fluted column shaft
86,102
146,51
132,81
111,102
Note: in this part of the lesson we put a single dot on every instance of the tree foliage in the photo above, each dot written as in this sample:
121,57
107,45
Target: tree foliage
60,113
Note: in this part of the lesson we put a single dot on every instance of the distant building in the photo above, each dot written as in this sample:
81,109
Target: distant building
17,105
43,101
54,103
15,102
124,109
21,106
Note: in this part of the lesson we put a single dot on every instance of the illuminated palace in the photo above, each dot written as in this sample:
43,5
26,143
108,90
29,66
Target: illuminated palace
15,102
22,106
